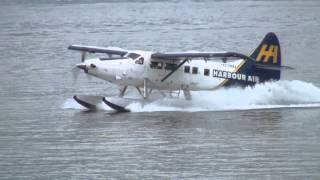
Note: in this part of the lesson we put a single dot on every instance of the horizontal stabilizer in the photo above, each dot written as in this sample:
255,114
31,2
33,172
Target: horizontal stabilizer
271,67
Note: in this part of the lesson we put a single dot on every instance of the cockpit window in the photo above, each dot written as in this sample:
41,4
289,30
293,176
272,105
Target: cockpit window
139,61
133,55
156,65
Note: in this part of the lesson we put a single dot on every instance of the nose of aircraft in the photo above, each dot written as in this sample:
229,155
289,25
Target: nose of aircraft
86,67
82,66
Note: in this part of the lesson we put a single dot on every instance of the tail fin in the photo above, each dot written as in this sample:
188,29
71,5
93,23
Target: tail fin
268,58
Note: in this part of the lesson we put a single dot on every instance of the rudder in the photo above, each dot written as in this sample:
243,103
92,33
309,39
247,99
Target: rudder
268,54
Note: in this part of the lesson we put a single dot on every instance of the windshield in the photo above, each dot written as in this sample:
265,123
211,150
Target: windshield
133,55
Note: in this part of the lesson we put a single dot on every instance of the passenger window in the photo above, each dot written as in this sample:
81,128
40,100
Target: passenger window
139,61
170,66
206,72
187,69
194,70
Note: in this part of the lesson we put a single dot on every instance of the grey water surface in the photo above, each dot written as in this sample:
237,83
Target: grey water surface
41,139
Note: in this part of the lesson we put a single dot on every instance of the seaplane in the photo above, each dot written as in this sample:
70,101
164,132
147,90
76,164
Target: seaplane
175,72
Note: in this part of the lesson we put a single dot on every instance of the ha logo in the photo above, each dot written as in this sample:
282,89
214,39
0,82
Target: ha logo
268,52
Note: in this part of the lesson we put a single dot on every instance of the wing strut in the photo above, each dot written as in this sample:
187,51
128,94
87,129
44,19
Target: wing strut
174,70
123,91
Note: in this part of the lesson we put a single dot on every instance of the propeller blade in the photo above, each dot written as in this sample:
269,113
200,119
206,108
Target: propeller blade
76,70
75,74
83,56
82,66
89,77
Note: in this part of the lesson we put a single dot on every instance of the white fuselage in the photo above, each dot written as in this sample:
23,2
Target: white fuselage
127,71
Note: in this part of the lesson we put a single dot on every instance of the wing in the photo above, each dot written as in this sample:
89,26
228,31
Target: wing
95,49
198,55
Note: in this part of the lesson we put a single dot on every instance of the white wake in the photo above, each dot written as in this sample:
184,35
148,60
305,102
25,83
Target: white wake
280,94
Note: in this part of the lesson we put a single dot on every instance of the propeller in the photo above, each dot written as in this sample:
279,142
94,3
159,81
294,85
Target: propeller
83,66
75,74
76,70
83,56
89,77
